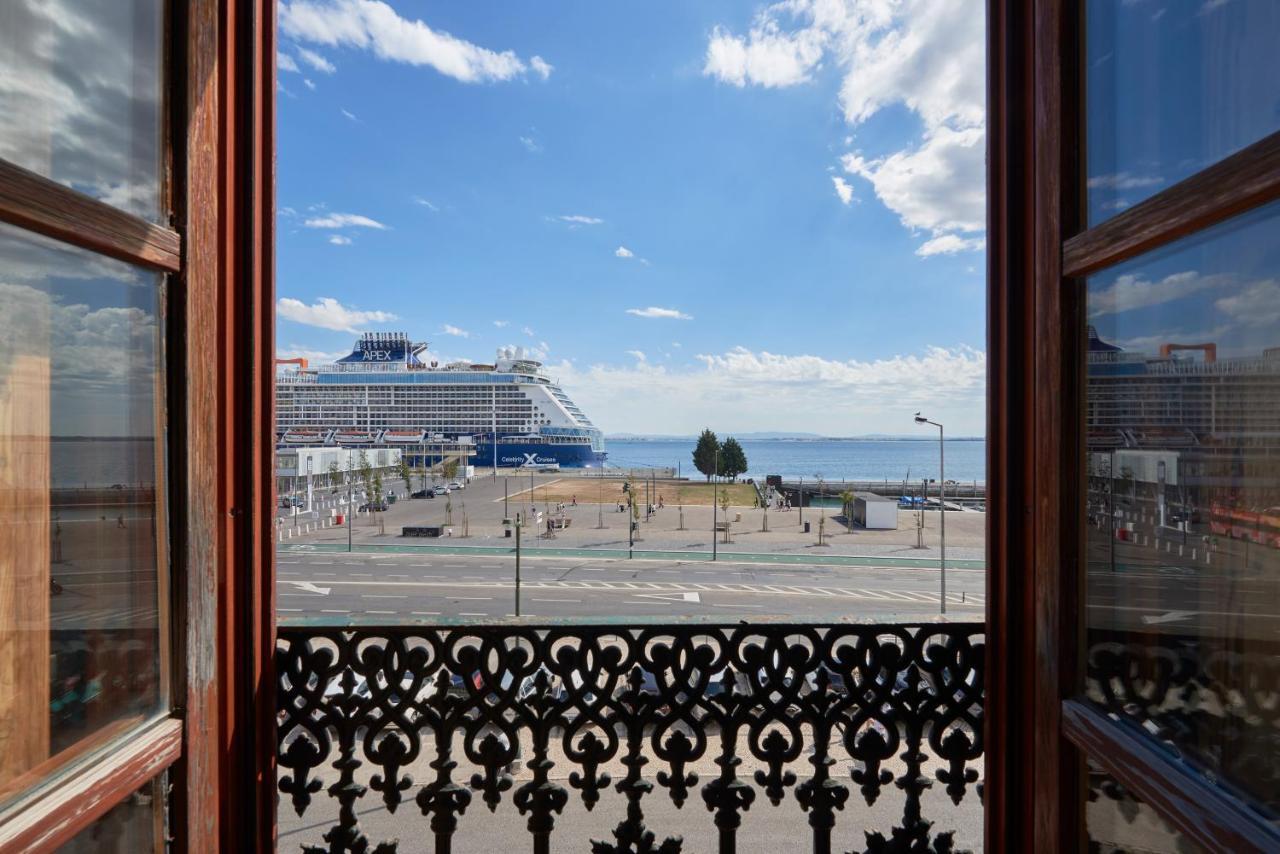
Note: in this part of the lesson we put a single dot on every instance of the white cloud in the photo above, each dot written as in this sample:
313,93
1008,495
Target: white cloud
339,240
937,186
950,244
1131,291
638,355
541,67
501,324
316,61
766,57
529,332
1123,181
349,114
426,203
342,220
654,311
530,144
450,329
623,252
843,189
538,353
926,55
579,219
770,391
306,81
375,26
313,357
1256,305
328,313
284,62
100,361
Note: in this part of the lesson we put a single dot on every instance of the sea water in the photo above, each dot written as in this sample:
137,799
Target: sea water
832,459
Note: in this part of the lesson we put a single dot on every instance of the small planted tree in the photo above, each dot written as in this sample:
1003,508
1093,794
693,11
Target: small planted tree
733,460
704,453
333,475
406,474
450,470
724,507
846,503
365,469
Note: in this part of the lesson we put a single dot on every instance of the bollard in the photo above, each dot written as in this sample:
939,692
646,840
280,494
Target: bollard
1193,554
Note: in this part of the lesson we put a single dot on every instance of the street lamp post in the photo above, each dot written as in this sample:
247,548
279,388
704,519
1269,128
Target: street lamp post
518,527
942,510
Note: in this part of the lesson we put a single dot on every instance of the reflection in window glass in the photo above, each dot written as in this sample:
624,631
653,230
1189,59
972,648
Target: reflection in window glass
80,96
80,473
1118,822
1173,88
134,825
1183,498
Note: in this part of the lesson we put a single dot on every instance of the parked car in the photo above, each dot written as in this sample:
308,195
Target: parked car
373,507
424,493
457,484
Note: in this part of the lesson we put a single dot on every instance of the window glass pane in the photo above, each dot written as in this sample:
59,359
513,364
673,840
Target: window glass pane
1172,88
1183,499
80,521
132,826
1118,822
81,97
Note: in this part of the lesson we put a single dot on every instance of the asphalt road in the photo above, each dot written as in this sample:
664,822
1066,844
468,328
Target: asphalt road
385,587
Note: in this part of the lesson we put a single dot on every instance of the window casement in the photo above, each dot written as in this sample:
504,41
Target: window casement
1134,186
130,256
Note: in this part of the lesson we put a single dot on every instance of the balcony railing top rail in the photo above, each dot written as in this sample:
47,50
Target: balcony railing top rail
900,706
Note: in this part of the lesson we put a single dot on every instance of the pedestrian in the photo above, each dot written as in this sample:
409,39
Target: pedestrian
575,501
120,521
660,504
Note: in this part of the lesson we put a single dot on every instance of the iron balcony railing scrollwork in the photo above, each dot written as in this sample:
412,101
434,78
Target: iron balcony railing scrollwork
900,705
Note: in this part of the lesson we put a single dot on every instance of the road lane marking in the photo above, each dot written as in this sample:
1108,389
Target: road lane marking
471,598
380,596
574,601
425,613
379,612
472,614
333,611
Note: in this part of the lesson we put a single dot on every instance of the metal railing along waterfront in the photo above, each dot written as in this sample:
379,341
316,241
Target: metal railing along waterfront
817,717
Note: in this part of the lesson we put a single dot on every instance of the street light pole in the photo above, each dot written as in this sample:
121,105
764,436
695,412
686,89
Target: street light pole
942,509
518,527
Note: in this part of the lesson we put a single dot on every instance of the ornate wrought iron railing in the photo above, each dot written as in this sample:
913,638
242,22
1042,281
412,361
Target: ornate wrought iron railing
776,707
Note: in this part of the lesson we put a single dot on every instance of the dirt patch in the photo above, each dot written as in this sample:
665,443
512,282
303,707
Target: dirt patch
672,492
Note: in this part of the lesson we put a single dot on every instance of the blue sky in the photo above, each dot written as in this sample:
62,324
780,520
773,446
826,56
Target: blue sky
747,217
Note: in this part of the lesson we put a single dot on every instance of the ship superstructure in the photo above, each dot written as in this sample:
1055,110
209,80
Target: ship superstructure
388,391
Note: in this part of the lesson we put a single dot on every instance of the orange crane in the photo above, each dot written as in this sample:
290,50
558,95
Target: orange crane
300,362
1210,351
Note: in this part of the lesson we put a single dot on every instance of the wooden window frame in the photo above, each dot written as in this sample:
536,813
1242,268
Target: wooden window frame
1038,251
218,743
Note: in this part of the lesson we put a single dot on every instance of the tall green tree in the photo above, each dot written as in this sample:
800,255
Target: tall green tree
406,474
733,460
366,472
704,454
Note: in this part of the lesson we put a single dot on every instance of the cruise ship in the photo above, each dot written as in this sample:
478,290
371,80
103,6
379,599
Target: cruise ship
388,392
